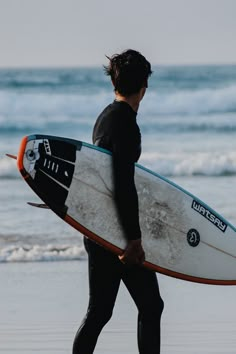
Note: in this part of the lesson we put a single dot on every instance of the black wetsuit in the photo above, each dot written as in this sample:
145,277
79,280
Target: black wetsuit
116,129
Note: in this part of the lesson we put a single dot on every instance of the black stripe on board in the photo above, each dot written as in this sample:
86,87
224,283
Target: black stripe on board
62,149
52,191
58,169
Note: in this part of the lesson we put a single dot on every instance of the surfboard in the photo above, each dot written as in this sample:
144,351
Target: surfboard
181,235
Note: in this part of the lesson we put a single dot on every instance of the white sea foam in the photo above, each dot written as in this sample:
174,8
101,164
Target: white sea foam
187,164
36,110
166,164
37,253
27,108
192,102
8,168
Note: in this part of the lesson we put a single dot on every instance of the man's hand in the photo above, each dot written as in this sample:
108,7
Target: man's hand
134,253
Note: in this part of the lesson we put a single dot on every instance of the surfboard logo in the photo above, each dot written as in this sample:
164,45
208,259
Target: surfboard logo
219,223
193,238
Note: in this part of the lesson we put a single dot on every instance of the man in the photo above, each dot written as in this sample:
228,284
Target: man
116,130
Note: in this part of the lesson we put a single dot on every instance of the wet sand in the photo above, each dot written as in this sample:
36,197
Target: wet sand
42,305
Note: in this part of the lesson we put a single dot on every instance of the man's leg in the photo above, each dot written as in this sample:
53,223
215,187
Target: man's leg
104,281
143,287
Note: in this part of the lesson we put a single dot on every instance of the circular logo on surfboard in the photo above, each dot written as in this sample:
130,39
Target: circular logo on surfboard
30,155
193,237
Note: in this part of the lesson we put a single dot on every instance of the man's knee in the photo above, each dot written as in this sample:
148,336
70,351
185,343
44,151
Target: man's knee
99,316
152,312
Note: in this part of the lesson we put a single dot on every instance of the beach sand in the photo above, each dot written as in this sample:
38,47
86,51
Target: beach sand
42,305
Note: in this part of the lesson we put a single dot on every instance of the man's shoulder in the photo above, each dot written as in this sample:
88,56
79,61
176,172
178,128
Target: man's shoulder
111,115
112,109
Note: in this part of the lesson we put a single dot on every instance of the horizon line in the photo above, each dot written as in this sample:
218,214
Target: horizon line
96,66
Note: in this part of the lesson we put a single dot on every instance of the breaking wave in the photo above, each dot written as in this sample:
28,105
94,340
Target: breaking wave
37,253
202,164
8,168
191,102
179,164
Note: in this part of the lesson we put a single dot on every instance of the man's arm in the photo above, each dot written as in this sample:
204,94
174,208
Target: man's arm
126,199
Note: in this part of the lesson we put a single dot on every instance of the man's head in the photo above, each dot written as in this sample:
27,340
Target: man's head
129,72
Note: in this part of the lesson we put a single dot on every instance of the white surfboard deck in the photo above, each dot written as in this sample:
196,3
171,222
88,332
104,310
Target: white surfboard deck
182,236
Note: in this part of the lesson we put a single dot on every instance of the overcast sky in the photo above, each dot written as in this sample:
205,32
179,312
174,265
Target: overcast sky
58,33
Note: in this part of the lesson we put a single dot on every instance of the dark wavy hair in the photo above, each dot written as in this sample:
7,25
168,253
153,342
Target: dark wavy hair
129,72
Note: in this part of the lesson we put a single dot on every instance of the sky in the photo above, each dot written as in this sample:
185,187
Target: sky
71,33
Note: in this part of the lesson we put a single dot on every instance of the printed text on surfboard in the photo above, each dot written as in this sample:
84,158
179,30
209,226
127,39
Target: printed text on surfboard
209,215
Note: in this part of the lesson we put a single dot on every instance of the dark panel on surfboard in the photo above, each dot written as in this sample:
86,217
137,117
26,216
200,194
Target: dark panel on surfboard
61,149
52,190
58,169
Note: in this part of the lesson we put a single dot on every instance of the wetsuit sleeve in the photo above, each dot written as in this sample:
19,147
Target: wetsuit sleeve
125,193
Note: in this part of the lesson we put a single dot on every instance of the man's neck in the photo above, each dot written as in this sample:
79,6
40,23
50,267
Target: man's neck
132,100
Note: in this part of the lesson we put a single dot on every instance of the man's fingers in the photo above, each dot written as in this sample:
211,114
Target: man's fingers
132,258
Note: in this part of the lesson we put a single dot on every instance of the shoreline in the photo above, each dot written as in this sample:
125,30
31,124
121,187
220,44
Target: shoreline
43,303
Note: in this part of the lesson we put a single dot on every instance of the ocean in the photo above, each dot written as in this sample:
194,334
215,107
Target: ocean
188,125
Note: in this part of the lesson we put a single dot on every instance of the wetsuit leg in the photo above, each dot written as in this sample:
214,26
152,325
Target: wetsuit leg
104,281
143,286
